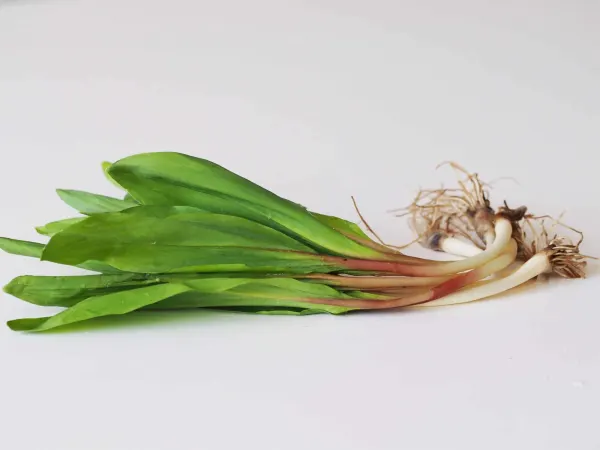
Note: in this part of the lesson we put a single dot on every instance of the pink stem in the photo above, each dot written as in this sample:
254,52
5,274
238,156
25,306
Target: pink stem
376,282
452,285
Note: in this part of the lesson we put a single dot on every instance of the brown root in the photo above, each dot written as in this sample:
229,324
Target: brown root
466,212
519,217
564,253
473,189
453,212
566,260
393,249
365,223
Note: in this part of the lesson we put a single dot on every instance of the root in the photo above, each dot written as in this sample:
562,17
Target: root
365,223
564,253
393,248
454,212
566,260
518,218
466,212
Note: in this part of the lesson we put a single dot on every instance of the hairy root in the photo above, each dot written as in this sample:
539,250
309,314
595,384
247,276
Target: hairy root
466,212
564,253
566,260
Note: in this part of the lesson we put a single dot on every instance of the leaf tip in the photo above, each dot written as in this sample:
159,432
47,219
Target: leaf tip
41,230
24,324
10,287
62,192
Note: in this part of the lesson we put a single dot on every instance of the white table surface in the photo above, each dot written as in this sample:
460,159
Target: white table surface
316,100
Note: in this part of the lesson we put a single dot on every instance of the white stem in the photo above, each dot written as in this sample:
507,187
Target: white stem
458,247
535,266
511,268
508,270
499,264
503,230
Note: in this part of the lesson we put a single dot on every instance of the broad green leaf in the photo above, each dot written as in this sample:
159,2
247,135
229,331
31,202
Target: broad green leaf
98,266
148,258
155,239
50,229
117,303
66,291
21,248
89,204
69,290
260,293
265,296
166,178
257,295
105,168
344,226
35,250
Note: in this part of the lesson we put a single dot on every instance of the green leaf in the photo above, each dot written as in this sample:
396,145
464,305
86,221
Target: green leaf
257,295
98,266
166,178
262,294
69,290
89,204
105,305
105,168
35,250
50,229
344,226
158,239
21,248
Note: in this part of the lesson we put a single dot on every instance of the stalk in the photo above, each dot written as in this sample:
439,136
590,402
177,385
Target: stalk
440,241
375,282
459,247
397,292
391,253
557,257
489,237
503,232
452,285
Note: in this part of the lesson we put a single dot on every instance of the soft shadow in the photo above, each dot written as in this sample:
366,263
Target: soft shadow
142,319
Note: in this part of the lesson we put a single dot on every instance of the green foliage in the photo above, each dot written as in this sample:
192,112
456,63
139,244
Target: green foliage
89,204
50,229
68,290
35,250
159,239
167,178
121,295
187,234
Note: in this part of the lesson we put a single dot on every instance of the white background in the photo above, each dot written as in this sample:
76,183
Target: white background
316,100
